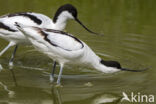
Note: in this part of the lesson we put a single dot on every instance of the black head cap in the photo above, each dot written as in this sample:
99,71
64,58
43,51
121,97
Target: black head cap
67,7
111,64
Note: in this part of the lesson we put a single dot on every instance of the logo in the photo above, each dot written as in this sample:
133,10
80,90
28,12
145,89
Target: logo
137,97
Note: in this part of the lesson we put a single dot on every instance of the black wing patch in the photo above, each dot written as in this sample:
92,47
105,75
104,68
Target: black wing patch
45,38
64,33
61,32
3,26
32,17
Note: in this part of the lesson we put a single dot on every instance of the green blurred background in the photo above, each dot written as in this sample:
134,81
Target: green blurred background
129,28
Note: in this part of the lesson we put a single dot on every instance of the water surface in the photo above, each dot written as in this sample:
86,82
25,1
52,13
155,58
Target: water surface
129,37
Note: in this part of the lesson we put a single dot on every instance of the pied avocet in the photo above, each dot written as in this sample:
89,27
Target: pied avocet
64,48
9,32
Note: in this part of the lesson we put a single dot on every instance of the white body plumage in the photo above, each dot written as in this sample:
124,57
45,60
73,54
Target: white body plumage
64,48
9,32
16,36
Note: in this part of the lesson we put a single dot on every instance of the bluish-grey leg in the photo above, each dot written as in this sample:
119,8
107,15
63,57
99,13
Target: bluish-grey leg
13,55
60,74
6,48
53,71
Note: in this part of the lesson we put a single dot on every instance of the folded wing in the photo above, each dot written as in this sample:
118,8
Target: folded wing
62,40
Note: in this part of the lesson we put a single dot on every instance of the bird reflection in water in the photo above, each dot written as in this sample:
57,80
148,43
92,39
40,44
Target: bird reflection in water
56,95
106,99
13,76
103,98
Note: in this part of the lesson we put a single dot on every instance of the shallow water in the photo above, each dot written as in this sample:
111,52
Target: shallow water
129,37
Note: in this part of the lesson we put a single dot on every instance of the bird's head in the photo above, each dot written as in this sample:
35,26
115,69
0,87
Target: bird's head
66,12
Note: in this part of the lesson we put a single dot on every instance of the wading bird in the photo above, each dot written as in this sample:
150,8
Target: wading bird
9,32
64,48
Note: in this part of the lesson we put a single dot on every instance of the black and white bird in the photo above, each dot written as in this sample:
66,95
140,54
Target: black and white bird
64,48
9,32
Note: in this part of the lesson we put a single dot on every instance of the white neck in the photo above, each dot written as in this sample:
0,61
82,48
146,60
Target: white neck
104,68
92,60
61,21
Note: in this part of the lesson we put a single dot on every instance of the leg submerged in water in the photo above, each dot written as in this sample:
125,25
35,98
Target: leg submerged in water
13,55
53,71
13,76
60,74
